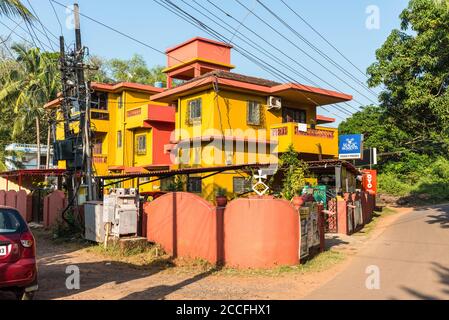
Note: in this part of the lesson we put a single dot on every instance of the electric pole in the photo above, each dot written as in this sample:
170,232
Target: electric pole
76,148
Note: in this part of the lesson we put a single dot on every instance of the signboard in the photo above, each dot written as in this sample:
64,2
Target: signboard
369,158
350,146
369,181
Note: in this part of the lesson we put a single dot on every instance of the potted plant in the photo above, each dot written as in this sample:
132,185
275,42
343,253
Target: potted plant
221,197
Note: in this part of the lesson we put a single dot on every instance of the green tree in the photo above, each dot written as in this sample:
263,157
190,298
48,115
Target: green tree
27,88
15,8
135,70
293,171
413,65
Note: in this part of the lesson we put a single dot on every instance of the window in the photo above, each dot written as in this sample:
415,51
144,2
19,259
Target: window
194,185
167,184
141,144
119,102
195,110
253,113
99,115
241,185
98,146
99,100
11,222
293,115
119,139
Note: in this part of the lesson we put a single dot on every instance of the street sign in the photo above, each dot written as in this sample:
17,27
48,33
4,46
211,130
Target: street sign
369,181
350,146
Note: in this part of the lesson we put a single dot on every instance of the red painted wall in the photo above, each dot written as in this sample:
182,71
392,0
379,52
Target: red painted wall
54,204
161,137
184,224
261,233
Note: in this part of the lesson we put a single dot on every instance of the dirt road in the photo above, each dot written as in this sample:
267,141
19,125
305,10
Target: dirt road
410,249
411,255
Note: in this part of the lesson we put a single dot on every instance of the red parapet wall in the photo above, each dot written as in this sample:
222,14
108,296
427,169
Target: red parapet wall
261,233
2,198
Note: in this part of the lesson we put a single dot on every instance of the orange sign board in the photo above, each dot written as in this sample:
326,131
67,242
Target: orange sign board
369,181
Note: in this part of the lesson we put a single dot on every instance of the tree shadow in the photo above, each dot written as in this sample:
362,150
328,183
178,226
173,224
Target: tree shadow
160,292
53,276
334,242
443,275
442,218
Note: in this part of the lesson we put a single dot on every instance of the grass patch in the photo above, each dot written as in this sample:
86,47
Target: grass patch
377,216
321,262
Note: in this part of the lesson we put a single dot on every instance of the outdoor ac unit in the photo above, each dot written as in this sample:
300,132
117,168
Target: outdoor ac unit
274,103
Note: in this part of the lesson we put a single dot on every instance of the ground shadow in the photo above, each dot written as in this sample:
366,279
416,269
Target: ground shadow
443,278
441,218
334,241
162,291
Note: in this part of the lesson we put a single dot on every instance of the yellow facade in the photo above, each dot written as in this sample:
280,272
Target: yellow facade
118,127
224,115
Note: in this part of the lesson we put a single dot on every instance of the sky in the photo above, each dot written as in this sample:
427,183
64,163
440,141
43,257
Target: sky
357,28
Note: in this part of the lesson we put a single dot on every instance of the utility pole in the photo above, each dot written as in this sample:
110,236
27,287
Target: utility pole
76,148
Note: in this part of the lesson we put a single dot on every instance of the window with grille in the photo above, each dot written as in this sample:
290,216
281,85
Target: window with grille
119,139
119,102
195,110
141,144
293,115
194,185
241,185
99,100
253,113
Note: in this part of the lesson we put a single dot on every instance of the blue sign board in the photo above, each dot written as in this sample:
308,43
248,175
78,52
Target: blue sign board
350,146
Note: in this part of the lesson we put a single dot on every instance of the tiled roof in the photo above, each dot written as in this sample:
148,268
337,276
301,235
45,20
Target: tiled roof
234,76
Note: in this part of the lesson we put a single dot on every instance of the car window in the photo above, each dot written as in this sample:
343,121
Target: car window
10,221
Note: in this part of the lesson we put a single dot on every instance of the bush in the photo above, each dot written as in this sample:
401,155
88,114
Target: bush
389,183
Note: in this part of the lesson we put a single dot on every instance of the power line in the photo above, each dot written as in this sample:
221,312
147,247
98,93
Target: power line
259,62
324,38
139,41
41,24
306,53
272,46
317,50
254,45
57,18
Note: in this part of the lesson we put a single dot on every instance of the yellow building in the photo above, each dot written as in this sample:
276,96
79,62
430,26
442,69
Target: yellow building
130,131
224,118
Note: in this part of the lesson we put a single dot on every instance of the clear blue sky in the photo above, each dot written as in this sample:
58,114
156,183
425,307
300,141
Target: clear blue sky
342,22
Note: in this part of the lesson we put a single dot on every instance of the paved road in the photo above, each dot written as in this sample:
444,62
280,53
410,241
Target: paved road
412,256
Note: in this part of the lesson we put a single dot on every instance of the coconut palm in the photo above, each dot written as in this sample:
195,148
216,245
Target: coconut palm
15,8
29,88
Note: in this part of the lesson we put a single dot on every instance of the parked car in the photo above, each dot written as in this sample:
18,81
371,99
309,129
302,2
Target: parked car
18,268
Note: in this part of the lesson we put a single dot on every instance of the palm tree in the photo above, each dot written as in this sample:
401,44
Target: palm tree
30,87
15,8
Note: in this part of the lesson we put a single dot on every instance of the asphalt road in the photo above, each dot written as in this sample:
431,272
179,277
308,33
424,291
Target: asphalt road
410,258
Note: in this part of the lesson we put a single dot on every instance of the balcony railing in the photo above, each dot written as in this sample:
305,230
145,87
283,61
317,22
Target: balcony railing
311,140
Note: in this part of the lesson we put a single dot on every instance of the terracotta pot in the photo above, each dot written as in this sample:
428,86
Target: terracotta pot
297,202
221,201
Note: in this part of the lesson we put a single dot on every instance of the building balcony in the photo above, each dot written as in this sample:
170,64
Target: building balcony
319,140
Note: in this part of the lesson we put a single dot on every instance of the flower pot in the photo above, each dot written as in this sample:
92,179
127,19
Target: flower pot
221,201
297,202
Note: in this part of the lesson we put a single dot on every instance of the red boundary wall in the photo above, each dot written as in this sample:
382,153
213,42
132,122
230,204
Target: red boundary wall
54,204
19,200
248,233
368,203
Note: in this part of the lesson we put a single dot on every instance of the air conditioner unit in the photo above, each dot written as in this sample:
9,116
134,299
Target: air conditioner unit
274,103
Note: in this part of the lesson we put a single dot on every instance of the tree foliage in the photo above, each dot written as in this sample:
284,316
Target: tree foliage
413,66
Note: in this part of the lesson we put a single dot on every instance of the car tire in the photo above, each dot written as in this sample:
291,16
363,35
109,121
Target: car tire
22,295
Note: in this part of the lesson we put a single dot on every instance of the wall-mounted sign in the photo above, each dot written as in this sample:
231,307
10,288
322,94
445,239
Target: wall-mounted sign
350,146
369,181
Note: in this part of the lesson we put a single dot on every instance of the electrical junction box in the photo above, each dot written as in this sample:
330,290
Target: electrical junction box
93,221
121,209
